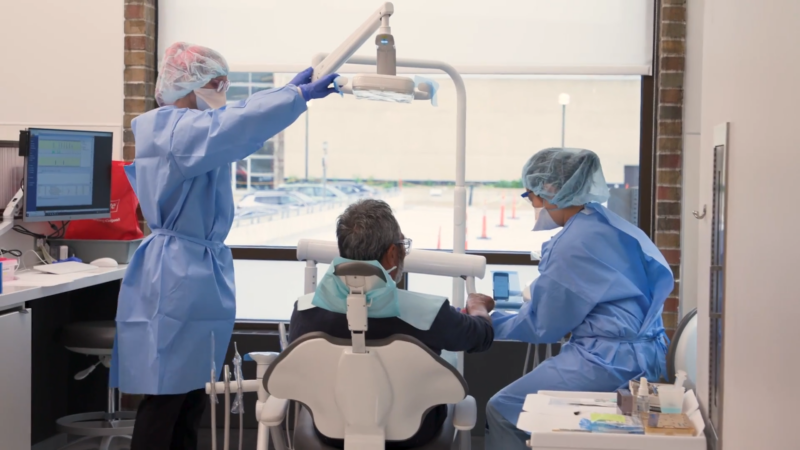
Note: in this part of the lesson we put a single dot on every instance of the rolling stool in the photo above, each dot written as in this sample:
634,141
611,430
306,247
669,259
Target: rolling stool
95,339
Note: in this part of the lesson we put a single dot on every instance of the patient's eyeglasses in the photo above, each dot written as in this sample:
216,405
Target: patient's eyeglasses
406,243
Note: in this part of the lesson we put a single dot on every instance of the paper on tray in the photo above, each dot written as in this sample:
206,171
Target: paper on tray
540,423
540,403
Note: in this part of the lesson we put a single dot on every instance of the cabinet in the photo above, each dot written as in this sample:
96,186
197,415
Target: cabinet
15,379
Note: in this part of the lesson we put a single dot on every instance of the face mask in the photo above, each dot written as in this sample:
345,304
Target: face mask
398,277
210,99
544,221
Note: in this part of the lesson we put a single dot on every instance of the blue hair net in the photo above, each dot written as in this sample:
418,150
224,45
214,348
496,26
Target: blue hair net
566,177
187,67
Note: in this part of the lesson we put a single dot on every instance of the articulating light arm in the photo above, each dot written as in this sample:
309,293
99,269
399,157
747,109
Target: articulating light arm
337,58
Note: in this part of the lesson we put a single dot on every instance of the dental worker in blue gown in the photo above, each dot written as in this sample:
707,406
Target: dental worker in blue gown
179,291
601,279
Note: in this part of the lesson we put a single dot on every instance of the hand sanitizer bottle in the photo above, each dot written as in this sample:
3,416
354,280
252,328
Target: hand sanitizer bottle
643,399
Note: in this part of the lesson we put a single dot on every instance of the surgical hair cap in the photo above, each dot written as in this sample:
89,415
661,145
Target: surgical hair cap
566,177
187,67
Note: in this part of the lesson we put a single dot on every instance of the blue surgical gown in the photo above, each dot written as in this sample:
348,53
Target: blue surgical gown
602,280
179,286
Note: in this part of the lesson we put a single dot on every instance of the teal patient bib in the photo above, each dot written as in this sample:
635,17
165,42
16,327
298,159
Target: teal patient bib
383,300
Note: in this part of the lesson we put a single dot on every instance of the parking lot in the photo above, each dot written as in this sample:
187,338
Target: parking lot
425,215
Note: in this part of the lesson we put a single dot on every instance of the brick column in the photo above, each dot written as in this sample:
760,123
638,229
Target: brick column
140,70
669,145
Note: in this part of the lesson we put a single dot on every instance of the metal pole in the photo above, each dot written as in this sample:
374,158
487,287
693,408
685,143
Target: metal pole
460,191
324,164
563,123
306,178
249,171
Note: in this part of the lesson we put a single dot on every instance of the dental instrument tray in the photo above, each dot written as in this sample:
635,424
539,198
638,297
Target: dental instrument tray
88,250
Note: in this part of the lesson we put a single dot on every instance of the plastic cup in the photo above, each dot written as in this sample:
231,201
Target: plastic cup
671,399
9,267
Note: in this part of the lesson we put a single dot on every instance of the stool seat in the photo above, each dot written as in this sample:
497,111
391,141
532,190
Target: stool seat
89,335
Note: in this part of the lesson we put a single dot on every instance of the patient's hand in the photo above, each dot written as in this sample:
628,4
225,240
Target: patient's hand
479,302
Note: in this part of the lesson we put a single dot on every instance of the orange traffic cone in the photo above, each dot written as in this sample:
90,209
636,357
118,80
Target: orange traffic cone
483,235
503,212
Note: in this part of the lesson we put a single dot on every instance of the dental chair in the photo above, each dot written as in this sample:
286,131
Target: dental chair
366,392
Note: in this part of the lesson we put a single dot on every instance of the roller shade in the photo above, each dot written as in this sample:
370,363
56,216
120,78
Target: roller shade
584,37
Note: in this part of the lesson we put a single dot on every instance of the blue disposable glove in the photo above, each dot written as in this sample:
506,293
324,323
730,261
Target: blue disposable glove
302,78
319,89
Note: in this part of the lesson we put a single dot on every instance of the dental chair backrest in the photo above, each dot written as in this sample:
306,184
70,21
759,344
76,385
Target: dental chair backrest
682,354
364,391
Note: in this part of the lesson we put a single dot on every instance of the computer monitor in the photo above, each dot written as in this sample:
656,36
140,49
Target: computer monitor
67,175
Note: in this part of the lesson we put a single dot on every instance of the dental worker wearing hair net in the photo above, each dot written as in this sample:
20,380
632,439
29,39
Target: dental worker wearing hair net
601,279
178,290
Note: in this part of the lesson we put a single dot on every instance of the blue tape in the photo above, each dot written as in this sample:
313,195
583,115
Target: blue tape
434,88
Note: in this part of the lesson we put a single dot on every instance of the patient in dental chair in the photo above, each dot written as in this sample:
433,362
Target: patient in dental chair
368,231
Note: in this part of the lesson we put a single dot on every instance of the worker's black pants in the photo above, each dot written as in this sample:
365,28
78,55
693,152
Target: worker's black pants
169,422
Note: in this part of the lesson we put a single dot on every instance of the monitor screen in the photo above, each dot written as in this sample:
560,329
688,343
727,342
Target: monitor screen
67,175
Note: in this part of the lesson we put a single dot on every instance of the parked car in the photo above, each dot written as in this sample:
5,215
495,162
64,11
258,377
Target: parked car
355,189
270,200
304,199
325,192
244,213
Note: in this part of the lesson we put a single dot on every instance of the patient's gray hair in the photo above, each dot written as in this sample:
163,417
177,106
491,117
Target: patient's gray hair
366,230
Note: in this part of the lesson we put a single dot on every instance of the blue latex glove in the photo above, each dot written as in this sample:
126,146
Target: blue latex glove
319,89
303,77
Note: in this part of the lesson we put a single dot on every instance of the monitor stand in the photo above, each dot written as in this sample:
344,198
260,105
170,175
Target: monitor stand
10,212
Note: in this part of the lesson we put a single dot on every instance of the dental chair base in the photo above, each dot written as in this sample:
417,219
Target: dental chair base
306,437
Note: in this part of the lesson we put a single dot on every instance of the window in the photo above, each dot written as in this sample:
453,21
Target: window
263,78
236,93
262,165
239,77
599,53
285,281
405,155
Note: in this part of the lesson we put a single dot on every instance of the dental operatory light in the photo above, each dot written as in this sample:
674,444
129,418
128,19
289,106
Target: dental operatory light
384,85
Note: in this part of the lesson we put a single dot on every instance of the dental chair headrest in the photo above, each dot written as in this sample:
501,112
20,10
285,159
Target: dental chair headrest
357,268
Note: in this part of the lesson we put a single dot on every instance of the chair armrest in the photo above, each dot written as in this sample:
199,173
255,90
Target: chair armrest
273,412
465,414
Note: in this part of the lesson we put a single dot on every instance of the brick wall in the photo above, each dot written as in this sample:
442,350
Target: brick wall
140,69
669,145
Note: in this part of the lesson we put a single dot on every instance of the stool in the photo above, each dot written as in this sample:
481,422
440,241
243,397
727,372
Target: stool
95,339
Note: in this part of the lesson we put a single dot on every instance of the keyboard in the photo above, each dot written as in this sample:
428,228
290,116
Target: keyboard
65,268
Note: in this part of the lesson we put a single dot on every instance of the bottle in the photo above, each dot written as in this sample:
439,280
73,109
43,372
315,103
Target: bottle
643,399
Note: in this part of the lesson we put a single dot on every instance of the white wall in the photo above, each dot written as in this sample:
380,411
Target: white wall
692,101
750,74
61,66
